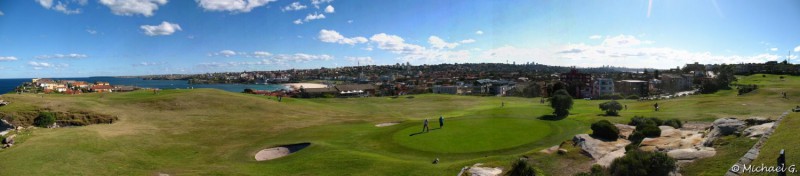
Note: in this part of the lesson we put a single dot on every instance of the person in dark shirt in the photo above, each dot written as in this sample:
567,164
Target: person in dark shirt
441,121
425,126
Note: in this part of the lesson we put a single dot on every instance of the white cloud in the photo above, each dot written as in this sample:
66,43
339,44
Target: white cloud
133,7
8,58
316,3
329,9
63,56
147,64
773,49
438,43
234,64
91,31
331,36
230,53
300,57
61,6
394,44
165,28
315,16
595,37
618,51
294,6
360,60
349,21
479,32
298,21
797,49
1,13
232,5
467,41
43,65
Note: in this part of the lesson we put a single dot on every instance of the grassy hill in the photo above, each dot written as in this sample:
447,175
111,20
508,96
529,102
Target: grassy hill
206,131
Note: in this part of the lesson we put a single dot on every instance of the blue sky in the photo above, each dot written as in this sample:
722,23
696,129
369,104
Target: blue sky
76,38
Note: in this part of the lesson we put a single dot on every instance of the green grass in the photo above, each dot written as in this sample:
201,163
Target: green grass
729,150
473,135
785,137
212,132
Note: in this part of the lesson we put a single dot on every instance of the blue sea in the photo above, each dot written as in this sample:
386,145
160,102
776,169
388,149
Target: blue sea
8,85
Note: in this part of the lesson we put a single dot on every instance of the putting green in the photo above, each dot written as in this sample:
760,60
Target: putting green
473,134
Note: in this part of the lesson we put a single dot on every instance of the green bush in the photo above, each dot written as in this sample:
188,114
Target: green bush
597,170
638,162
637,121
612,107
44,119
650,131
605,130
675,123
521,168
636,137
561,102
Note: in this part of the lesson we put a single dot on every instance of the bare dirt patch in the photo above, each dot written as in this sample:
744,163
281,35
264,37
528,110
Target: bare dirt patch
280,151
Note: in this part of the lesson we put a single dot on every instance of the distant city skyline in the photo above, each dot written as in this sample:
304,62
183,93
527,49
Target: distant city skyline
79,38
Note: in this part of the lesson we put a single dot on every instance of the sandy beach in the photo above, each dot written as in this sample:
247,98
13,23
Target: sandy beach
295,86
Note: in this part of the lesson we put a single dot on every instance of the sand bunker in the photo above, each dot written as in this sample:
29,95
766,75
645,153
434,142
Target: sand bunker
280,151
387,124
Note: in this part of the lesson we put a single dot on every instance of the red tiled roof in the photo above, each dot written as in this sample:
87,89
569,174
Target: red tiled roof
102,87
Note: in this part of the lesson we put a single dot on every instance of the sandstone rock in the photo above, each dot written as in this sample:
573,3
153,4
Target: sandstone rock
758,130
562,151
477,170
625,130
550,150
692,153
671,139
599,149
728,126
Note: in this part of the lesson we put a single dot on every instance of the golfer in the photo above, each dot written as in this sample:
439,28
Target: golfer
425,126
441,121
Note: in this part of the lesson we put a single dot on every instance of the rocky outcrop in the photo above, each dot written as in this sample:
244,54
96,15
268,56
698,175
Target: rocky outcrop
752,154
477,170
692,153
625,130
672,139
723,127
757,121
603,152
758,130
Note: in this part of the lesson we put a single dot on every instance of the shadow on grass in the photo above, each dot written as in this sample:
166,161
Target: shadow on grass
551,117
422,132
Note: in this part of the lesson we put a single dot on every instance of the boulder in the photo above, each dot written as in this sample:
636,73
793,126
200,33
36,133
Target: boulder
692,153
672,139
625,130
728,126
723,127
758,130
477,170
600,150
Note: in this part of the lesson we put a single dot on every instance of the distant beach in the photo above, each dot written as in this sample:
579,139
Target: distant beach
295,86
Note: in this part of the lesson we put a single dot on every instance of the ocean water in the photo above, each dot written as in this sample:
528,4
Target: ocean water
8,85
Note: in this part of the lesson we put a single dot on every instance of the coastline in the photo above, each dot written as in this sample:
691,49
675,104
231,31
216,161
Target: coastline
295,86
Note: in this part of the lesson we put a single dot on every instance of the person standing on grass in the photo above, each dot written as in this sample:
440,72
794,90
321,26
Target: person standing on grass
502,104
441,121
656,106
425,126
626,107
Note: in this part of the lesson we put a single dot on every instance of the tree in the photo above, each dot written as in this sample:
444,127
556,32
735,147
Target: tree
521,168
561,102
638,162
45,119
612,107
675,123
605,130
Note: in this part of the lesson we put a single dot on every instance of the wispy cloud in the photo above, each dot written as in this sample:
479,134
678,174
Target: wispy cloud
165,28
63,56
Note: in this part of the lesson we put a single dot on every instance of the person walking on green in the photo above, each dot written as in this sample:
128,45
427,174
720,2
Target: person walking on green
441,121
425,126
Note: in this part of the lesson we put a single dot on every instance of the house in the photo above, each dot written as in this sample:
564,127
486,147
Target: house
602,87
79,85
124,88
631,87
578,84
318,92
102,88
61,88
675,83
102,83
445,89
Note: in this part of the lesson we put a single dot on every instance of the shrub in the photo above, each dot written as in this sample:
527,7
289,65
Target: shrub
605,130
612,107
561,102
636,121
521,168
657,121
675,123
44,119
649,130
636,137
642,163
597,170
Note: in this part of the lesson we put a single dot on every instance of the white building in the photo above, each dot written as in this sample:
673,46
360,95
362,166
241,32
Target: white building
602,86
